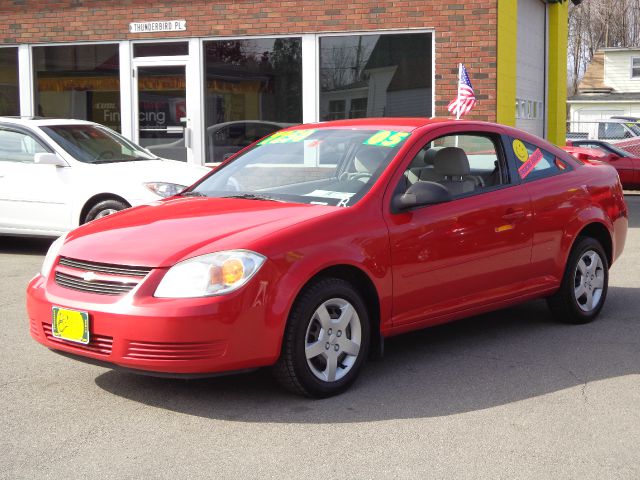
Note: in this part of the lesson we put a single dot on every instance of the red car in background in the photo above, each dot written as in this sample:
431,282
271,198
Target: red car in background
309,248
626,163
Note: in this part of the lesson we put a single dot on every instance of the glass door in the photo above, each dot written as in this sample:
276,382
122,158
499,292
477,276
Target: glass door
161,110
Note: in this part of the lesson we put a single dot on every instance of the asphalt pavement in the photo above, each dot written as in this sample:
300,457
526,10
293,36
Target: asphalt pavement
506,395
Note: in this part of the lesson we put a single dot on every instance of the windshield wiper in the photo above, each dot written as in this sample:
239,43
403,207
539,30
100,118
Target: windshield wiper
253,196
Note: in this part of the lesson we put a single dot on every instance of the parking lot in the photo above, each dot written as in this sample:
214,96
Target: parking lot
509,394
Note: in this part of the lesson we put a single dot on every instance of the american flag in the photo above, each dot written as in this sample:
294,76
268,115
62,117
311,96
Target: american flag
466,99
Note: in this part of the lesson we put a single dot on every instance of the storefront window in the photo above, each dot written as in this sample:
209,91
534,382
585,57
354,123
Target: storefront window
78,81
252,87
376,76
9,91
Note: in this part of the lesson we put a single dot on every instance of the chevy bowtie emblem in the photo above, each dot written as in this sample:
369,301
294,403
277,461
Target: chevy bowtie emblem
89,277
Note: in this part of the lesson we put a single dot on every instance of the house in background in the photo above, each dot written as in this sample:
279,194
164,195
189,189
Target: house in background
610,87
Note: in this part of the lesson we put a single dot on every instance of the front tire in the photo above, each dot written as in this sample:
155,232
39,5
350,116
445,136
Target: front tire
326,340
584,285
104,208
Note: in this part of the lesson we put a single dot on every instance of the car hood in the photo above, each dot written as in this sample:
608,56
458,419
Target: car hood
160,170
166,232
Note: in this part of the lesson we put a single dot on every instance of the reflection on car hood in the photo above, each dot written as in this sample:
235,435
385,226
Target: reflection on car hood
153,171
163,233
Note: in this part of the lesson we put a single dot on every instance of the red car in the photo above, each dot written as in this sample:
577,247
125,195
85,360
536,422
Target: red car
627,164
309,248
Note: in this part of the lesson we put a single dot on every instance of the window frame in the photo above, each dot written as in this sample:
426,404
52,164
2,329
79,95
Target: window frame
18,84
348,33
195,63
632,67
508,178
27,133
540,174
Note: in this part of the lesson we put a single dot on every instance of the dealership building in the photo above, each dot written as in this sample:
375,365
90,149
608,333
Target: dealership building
185,77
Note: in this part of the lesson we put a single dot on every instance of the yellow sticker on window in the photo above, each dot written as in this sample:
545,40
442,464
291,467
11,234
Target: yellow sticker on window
386,138
287,136
520,151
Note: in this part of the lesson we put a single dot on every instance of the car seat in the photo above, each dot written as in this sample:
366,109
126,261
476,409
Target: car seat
453,165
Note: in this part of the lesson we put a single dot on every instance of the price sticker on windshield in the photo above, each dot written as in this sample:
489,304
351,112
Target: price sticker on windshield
386,138
287,136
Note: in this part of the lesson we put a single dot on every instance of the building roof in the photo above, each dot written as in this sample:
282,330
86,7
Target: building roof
621,49
605,97
593,80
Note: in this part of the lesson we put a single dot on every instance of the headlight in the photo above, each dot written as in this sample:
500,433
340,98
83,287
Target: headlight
51,256
164,189
212,274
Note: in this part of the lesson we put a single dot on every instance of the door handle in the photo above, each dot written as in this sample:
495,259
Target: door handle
511,215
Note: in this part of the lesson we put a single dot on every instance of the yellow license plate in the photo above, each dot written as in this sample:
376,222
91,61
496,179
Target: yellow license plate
70,325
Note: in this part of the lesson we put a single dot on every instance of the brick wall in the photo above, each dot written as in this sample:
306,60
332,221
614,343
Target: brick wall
465,29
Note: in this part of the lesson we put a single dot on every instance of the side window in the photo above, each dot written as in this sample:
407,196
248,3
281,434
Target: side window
18,147
611,131
534,162
464,164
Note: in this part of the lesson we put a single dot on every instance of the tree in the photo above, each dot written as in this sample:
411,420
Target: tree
596,24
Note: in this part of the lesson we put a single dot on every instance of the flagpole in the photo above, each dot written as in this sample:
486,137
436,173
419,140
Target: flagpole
459,107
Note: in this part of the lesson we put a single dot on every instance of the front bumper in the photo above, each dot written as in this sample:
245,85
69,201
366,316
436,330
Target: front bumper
176,336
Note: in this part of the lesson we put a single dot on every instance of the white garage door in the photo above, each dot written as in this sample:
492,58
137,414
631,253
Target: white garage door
531,59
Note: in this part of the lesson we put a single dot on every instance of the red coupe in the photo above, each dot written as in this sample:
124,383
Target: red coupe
627,164
310,247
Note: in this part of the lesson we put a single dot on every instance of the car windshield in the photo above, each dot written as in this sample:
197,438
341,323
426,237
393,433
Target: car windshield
316,166
94,144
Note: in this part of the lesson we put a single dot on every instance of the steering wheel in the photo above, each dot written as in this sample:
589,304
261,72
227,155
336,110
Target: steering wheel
360,176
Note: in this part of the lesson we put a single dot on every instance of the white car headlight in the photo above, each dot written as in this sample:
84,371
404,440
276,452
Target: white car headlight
51,256
211,274
164,189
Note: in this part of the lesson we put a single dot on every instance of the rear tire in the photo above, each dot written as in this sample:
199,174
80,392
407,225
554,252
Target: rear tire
584,285
326,340
104,208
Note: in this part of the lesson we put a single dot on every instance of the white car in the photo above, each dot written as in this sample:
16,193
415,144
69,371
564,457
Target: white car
57,174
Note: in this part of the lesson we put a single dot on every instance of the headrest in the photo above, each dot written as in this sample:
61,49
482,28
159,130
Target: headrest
451,161
430,155
368,159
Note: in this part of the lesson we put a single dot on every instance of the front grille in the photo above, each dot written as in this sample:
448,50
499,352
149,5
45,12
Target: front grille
98,344
98,278
100,287
104,267
175,351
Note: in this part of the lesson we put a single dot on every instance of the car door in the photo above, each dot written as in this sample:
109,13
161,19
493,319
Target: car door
470,251
33,197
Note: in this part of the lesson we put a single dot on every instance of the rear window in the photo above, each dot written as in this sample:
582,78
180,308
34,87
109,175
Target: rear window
535,162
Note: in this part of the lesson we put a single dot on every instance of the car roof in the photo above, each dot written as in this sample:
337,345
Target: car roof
409,123
401,123
581,141
629,118
43,121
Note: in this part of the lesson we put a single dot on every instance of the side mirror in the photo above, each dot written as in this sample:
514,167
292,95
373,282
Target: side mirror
420,194
49,159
